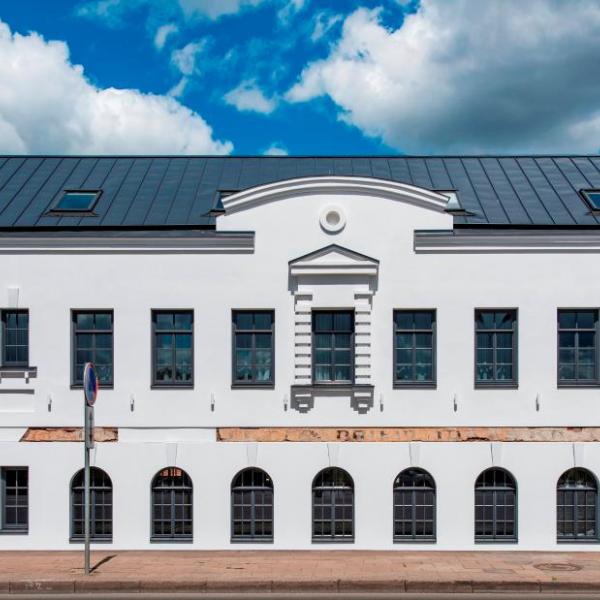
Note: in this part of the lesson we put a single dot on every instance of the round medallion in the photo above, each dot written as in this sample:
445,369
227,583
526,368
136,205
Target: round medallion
332,219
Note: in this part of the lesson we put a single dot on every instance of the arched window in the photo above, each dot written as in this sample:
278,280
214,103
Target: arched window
333,506
414,506
100,505
495,507
252,506
172,505
577,506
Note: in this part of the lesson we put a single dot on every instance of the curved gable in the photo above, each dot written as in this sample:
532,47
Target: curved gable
334,185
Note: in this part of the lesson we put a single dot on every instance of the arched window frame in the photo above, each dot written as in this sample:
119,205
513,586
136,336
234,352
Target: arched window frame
587,490
170,516
416,502
336,502
262,498
496,490
98,492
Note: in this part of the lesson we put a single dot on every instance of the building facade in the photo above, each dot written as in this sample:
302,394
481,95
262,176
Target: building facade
302,353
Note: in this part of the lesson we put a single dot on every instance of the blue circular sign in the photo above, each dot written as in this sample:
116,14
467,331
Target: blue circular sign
90,384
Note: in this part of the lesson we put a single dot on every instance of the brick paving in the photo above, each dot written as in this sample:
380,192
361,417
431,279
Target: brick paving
302,571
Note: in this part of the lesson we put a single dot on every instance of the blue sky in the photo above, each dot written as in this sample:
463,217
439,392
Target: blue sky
300,76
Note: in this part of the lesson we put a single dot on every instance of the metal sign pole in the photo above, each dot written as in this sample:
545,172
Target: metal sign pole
86,493
90,391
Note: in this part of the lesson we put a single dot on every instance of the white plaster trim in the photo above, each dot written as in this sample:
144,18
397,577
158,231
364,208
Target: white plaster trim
334,260
334,185
104,244
545,242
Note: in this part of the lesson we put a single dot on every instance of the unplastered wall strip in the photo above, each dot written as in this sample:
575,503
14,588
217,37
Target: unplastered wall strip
68,434
409,434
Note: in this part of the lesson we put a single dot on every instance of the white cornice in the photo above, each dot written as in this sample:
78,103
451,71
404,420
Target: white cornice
442,242
329,184
222,243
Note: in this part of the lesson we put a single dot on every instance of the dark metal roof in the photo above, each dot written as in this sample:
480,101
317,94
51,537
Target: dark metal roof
171,191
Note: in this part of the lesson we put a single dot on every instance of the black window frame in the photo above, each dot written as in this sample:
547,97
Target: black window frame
187,487
332,332
417,496
254,384
156,384
512,383
77,382
334,490
101,502
578,383
18,527
56,209
415,383
496,490
595,209
262,495
4,314
579,492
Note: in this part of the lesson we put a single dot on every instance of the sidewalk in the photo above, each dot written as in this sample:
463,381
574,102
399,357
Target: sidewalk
300,571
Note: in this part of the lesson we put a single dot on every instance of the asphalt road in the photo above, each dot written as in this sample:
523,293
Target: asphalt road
316,596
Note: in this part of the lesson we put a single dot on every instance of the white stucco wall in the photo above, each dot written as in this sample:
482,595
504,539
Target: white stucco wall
212,284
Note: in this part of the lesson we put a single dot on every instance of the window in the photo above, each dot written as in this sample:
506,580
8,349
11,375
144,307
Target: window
253,347
100,506
578,347
252,507
15,338
333,506
93,342
333,346
414,506
173,344
414,348
171,506
77,201
14,499
495,507
577,507
495,347
592,197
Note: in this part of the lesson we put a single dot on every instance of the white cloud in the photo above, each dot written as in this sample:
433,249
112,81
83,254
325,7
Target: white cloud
249,97
162,33
184,59
179,88
324,22
276,149
290,9
213,9
113,11
469,76
48,106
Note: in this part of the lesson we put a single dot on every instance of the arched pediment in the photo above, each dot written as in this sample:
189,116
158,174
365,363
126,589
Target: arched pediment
335,185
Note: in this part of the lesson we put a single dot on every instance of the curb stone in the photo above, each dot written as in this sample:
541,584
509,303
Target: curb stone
296,585
58,587
304,585
428,586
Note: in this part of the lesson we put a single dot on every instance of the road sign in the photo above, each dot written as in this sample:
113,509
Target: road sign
90,383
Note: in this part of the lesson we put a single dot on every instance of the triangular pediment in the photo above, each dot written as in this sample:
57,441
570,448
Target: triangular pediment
334,260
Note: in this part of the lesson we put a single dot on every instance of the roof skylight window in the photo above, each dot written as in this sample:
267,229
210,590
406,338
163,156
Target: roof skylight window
77,201
453,203
592,197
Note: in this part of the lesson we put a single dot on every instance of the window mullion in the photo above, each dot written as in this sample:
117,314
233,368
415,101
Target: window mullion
494,355
253,356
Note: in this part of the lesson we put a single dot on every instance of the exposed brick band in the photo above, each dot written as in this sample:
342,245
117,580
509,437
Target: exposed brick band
408,434
69,434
